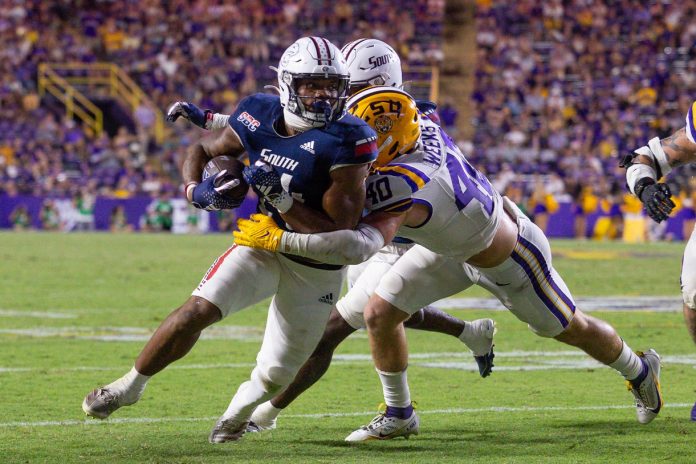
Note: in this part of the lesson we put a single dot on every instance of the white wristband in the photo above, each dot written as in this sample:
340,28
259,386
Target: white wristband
282,202
638,171
219,121
659,156
190,186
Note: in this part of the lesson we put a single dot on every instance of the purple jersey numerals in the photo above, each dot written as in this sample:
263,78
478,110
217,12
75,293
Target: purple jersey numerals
469,184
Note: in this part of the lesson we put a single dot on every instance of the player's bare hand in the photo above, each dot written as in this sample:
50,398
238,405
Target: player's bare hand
259,231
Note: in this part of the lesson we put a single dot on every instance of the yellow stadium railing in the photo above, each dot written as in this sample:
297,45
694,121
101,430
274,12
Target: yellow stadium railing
106,80
76,103
423,81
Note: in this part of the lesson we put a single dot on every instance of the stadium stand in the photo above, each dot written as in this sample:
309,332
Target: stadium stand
207,52
561,89
564,88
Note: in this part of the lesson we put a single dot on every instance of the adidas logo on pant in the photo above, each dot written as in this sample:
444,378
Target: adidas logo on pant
328,299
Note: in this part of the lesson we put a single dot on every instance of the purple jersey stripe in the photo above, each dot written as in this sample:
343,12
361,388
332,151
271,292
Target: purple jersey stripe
547,271
417,172
397,207
537,289
409,181
428,206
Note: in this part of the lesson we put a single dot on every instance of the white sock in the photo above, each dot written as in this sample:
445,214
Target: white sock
130,386
628,363
265,415
395,388
249,395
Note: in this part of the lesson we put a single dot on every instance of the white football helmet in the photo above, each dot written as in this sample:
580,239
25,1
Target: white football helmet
372,62
312,58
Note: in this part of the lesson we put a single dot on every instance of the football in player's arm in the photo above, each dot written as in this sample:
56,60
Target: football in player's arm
320,161
339,206
347,315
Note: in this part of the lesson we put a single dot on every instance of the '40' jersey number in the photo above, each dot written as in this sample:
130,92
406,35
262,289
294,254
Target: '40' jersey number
378,192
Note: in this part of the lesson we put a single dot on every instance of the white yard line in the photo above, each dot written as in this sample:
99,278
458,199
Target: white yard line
132,334
36,314
533,360
492,409
593,303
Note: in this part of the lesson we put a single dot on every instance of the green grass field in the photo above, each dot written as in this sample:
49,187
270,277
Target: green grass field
76,309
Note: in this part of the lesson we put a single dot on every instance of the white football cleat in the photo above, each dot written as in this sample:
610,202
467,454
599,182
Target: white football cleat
478,337
253,427
263,418
648,394
101,402
227,430
386,428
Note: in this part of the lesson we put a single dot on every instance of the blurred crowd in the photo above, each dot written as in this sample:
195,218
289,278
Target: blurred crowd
563,89
208,52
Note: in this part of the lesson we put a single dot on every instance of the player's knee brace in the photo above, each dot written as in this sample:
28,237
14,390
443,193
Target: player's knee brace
272,378
390,285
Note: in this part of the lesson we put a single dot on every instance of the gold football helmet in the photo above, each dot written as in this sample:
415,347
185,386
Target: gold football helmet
392,113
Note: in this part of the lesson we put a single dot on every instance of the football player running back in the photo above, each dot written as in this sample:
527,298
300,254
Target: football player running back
370,62
320,157
425,190
644,168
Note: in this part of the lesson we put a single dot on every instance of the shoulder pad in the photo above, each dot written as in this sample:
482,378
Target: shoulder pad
350,120
426,106
387,192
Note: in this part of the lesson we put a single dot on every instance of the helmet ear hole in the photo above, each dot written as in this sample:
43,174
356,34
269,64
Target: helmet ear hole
394,149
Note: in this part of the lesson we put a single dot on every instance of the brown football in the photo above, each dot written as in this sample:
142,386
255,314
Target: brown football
234,169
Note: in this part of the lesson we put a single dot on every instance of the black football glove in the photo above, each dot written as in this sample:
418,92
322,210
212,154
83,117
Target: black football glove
656,198
186,110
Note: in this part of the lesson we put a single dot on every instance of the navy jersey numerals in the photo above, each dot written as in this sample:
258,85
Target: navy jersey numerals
379,191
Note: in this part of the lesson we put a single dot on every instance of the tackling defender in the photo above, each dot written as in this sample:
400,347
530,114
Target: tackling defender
320,157
644,168
370,62
424,189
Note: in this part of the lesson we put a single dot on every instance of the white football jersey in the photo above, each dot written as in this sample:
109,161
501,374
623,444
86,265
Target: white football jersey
464,208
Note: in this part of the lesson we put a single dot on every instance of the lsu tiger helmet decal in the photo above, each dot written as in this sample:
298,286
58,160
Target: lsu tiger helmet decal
393,114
